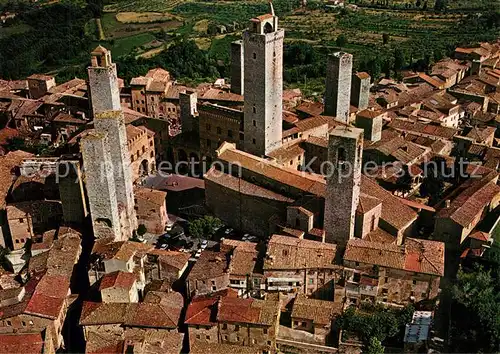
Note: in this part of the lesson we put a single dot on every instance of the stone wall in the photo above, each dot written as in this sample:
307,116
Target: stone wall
360,91
104,92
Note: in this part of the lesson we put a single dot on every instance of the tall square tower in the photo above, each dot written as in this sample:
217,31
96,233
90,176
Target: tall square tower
112,123
237,67
360,90
104,90
263,83
338,86
345,150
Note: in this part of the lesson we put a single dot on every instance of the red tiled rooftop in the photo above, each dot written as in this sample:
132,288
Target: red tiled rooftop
117,279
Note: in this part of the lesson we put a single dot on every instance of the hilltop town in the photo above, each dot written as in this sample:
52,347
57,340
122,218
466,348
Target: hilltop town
237,216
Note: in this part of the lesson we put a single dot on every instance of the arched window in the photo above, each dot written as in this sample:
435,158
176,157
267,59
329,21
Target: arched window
268,28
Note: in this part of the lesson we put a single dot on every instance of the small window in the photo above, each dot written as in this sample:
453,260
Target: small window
225,337
22,240
386,279
254,123
424,295
236,328
229,133
224,326
9,323
198,336
253,141
208,337
142,101
242,136
219,130
24,323
414,282
311,281
17,241
21,220
237,339
285,253
254,55
254,110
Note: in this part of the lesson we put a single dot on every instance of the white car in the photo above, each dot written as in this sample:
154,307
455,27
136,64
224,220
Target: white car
197,254
164,246
203,244
228,231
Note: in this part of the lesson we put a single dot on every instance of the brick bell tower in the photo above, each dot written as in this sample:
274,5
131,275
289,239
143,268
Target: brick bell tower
263,84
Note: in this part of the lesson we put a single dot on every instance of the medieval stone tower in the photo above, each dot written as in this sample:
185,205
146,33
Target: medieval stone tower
338,85
360,90
237,67
345,148
263,83
100,183
112,123
103,82
188,102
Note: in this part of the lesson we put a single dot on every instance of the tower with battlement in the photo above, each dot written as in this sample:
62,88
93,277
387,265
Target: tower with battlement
104,90
263,84
338,86
345,149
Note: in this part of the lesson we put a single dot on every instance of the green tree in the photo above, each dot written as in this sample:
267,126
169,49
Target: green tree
374,347
341,41
205,226
385,38
399,59
475,311
440,5
375,68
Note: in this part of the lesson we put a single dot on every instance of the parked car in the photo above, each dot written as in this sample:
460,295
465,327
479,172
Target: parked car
197,254
163,246
228,231
203,244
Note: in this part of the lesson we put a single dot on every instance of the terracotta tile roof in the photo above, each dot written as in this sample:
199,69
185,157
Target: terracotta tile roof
117,279
369,113
97,313
6,134
480,235
310,183
379,235
319,311
293,232
431,80
421,256
202,310
174,259
214,94
150,196
323,142
481,134
251,311
7,165
49,296
211,264
285,252
311,108
476,195
367,203
152,315
22,342
285,153
103,343
421,128
393,212
242,186
241,245
362,75
242,262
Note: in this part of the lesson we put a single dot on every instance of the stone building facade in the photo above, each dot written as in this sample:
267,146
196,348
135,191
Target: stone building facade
345,149
141,146
263,82
371,122
219,124
39,85
338,86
